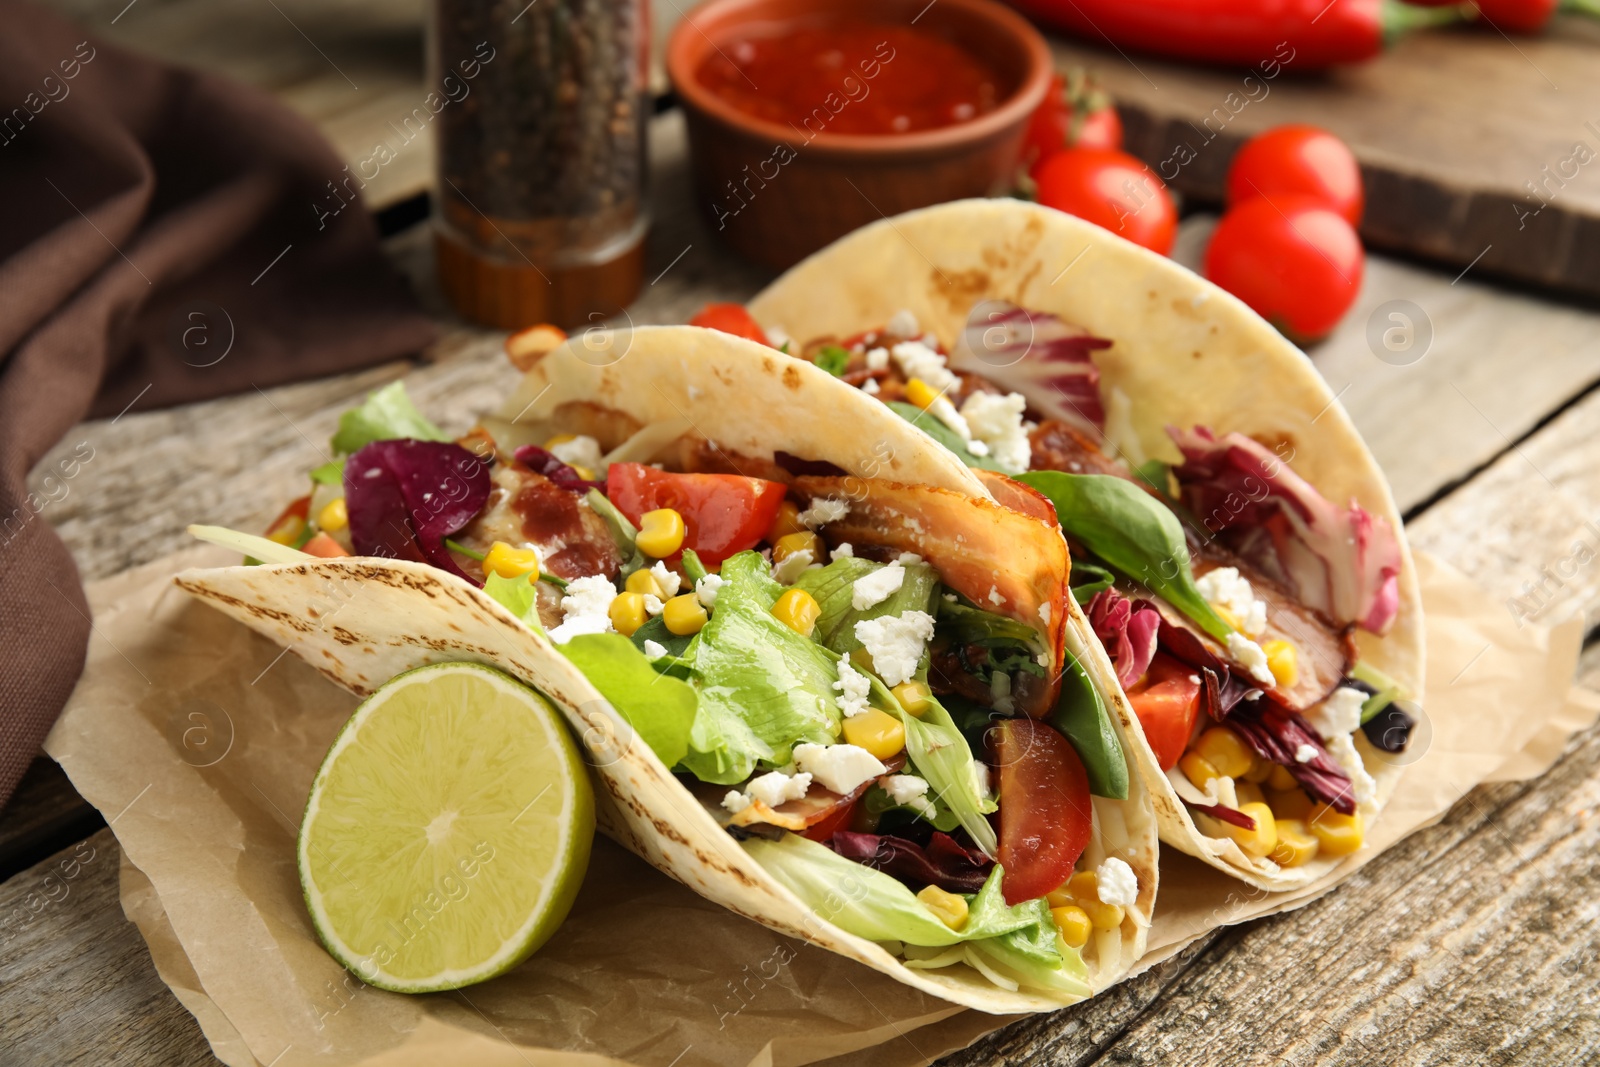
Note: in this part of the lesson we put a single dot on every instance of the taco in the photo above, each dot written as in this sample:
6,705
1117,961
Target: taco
826,675
1235,546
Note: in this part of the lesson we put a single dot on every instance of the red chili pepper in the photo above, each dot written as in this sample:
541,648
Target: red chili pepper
1288,34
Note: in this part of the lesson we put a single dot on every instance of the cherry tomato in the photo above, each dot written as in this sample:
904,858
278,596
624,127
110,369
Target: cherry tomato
1073,113
298,509
722,513
1167,702
324,546
1298,160
730,318
1045,812
1296,262
1113,190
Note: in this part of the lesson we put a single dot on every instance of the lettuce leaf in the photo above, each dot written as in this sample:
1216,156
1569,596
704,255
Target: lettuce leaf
659,708
517,595
833,587
386,415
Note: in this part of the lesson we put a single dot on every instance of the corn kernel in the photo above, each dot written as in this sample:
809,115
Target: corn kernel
509,562
789,544
1283,662
786,522
920,393
334,516
1338,834
627,613
950,908
1289,803
913,697
660,533
798,610
1248,793
1260,770
288,531
1197,769
683,615
1280,778
1260,841
526,347
1228,617
1223,749
1102,916
559,439
877,731
1062,896
644,583
1084,885
1073,922
583,472
1296,845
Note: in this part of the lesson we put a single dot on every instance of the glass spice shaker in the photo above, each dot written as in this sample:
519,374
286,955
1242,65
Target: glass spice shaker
540,212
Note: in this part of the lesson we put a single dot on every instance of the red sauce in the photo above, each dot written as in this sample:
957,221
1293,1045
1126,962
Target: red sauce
853,78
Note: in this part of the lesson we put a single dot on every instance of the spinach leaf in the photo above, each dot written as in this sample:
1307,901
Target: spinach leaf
942,434
1081,714
1012,646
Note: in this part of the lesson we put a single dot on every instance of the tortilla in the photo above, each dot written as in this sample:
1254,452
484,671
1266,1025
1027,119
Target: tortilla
363,620
1184,352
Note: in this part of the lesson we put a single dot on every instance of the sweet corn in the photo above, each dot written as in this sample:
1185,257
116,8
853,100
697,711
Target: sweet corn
1296,845
1280,778
1073,922
798,610
920,393
660,533
683,615
1338,834
583,472
288,531
525,347
1082,891
1248,793
1197,769
1263,839
334,516
1260,770
509,562
1289,803
786,522
1228,617
1283,662
1061,896
1222,748
789,544
877,731
913,697
951,909
559,439
644,583
627,613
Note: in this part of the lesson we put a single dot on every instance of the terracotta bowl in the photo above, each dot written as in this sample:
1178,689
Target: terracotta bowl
776,194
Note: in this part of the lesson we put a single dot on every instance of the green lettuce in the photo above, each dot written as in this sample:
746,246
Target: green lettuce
833,587
517,595
938,751
659,708
386,415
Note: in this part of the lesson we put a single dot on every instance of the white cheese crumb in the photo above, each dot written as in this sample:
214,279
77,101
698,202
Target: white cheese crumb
946,412
1115,883
1343,751
995,597
1225,588
1340,713
842,768
581,451
902,324
653,649
904,788
790,567
853,688
908,558
1044,613
824,510
735,801
873,589
996,421
705,590
585,608
1305,753
776,337
871,384
877,359
844,551
1249,655
917,360
668,579
652,604
775,787
895,643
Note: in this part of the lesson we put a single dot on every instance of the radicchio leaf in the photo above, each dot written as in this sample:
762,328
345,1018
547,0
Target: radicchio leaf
1227,814
405,497
562,474
943,862
1038,355
1344,563
1127,628
1276,734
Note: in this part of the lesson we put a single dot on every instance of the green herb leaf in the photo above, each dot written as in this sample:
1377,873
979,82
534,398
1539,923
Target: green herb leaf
330,473
456,546
942,434
387,414
1089,579
833,359
692,567
623,532
1081,714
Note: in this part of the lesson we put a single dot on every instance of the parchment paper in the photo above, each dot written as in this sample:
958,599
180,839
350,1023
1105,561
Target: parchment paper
199,740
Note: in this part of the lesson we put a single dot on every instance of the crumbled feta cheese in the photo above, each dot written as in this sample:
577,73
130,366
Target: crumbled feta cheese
1225,588
902,324
1115,883
1343,751
946,412
1249,655
908,558
871,384
667,579
839,767
1305,753
951,597
844,551
585,609
877,359
853,688
917,360
653,649
873,589
735,801
581,451
775,787
776,337
994,596
824,510
980,777
705,590
997,421
895,643
652,604
904,788
790,567
1340,713
1000,691
1044,613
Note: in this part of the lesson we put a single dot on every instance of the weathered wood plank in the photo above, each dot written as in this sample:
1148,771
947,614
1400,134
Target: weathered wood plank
43,815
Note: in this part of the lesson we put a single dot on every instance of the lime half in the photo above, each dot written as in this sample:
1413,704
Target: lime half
447,831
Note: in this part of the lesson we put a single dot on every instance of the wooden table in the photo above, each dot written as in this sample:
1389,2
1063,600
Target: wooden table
1475,941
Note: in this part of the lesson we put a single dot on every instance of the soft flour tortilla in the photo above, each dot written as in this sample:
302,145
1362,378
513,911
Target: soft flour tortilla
363,620
1183,353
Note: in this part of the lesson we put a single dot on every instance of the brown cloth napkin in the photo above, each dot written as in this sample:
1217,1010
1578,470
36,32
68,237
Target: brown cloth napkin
160,242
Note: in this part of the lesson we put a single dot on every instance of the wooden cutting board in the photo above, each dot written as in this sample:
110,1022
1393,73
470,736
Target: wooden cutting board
1472,144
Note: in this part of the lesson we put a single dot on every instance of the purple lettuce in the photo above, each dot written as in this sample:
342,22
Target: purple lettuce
405,497
1038,355
1127,628
943,862
562,474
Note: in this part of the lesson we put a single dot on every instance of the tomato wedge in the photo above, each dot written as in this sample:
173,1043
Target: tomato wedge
1045,811
730,318
1167,702
722,513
